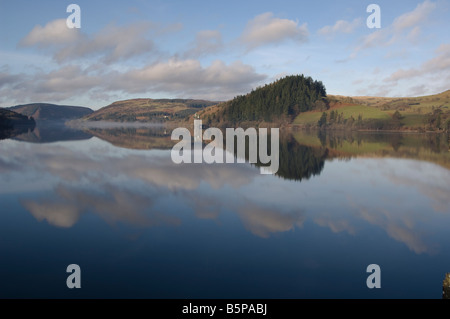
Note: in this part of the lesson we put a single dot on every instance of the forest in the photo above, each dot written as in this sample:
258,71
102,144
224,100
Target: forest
280,100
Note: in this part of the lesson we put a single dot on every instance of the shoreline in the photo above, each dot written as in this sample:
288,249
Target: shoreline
83,124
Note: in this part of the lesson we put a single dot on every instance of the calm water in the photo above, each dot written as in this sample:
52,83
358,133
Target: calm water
139,226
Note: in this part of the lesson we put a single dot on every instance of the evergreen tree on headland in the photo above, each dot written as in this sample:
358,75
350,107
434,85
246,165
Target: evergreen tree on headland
285,98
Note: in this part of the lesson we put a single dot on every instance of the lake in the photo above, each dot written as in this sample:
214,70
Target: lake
139,226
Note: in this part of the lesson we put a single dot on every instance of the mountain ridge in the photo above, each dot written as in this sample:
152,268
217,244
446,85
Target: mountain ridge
149,110
51,112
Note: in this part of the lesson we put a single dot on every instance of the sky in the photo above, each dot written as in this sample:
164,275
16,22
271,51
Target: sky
217,50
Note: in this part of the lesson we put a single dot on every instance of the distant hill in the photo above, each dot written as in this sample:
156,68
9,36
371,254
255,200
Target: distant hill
51,112
149,110
12,123
279,102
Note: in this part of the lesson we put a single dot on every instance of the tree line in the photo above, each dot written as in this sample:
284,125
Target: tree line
283,99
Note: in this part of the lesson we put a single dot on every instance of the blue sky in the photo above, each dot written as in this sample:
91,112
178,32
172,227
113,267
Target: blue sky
217,50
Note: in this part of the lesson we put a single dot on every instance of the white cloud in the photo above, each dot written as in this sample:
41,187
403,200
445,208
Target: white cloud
53,33
88,55
397,54
430,77
414,35
442,61
206,42
407,25
190,78
415,17
184,78
407,31
115,43
70,79
7,79
374,39
265,29
55,86
440,64
402,74
341,26
418,90
112,43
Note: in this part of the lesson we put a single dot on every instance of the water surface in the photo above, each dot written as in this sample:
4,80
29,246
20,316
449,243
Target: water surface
139,226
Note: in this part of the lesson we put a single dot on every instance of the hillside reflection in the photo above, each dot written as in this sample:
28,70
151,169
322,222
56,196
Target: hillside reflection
303,154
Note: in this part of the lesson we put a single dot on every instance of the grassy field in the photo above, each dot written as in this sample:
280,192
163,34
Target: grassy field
415,111
347,110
